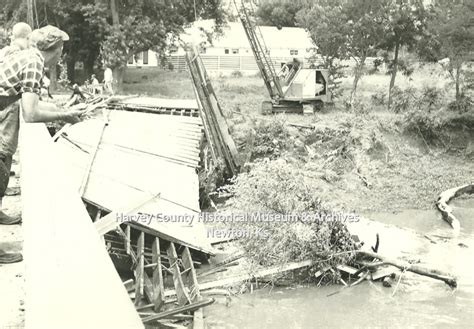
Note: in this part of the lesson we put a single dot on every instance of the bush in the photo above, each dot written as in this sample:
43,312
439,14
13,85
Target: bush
236,74
402,100
270,138
431,99
379,98
461,105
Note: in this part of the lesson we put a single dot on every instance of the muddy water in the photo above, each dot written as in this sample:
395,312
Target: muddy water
418,301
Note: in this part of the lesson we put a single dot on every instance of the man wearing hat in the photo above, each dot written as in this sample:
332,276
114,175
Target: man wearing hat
20,79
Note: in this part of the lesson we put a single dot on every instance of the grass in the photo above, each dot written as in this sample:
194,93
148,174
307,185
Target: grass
159,83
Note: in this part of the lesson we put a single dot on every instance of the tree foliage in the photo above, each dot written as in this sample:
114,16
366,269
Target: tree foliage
450,39
323,21
406,22
147,24
346,29
279,13
141,25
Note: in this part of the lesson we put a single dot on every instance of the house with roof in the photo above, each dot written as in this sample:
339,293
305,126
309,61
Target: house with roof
231,51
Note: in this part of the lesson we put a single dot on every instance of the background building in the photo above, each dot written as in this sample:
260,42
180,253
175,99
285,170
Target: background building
231,51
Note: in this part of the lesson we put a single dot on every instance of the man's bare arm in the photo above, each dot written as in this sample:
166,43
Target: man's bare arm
36,111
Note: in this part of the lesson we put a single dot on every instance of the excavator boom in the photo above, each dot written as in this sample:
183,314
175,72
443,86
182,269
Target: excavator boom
259,49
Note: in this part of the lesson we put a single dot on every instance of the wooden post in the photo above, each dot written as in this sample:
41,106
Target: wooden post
158,287
139,269
181,293
127,240
190,277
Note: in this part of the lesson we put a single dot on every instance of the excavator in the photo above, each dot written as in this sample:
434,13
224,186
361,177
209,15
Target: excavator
295,85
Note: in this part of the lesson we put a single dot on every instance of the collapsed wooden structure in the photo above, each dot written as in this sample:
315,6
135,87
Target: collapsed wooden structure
135,167
221,144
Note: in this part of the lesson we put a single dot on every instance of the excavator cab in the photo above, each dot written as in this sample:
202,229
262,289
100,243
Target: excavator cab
295,85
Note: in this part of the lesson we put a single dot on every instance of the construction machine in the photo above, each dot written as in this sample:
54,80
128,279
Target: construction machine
295,85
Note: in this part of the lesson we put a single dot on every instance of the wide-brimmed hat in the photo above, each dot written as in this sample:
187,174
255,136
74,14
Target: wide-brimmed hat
48,37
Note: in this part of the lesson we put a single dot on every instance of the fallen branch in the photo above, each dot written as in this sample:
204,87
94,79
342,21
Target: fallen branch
434,274
445,209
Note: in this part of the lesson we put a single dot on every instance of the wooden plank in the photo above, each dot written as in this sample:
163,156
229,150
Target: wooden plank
216,127
54,258
110,222
128,247
158,287
198,319
93,155
160,102
148,287
177,310
190,277
139,271
168,237
181,293
274,270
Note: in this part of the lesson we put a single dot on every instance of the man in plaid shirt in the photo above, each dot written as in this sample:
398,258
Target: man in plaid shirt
20,78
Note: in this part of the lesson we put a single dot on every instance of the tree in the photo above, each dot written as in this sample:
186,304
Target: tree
140,25
450,39
279,13
114,30
406,23
325,22
365,27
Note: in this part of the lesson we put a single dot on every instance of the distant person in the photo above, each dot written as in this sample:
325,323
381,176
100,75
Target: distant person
293,67
77,96
108,80
94,85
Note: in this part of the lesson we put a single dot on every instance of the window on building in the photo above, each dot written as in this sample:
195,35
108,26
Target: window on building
130,60
226,51
145,57
293,52
173,49
235,51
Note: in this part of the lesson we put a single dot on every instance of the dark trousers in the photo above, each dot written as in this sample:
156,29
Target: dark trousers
5,166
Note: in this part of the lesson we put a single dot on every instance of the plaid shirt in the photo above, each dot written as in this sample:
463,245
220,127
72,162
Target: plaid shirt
21,73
